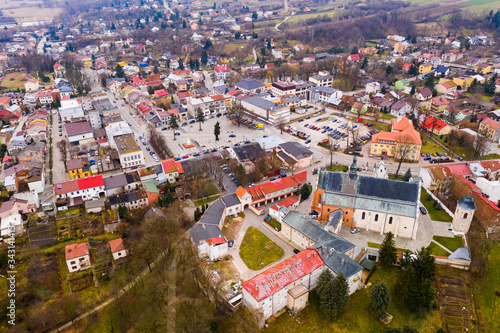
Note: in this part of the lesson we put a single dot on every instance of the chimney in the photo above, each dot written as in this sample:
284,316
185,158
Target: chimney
330,252
342,262
203,226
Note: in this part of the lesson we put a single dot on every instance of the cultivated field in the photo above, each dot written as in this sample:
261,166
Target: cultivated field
14,80
30,14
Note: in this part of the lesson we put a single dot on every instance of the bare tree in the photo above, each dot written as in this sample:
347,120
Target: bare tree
280,123
237,112
63,147
404,146
480,145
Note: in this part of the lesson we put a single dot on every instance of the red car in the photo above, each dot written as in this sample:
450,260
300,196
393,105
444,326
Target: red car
366,124
185,156
318,128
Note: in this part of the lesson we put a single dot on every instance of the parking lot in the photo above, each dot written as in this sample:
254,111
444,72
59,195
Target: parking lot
204,140
316,129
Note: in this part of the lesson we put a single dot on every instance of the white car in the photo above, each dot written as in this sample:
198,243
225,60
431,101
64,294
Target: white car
355,230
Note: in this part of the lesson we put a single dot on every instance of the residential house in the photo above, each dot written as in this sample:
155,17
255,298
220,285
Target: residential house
423,94
436,126
400,108
59,70
172,169
463,82
441,71
490,128
76,169
482,68
210,105
321,80
132,200
446,87
424,68
152,192
33,152
117,249
32,85
294,155
402,138
130,154
437,104
77,257
83,188
359,108
277,53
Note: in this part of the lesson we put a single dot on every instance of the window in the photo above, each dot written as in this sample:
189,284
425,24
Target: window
465,215
390,220
376,217
363,216
73,262
119,253
73,267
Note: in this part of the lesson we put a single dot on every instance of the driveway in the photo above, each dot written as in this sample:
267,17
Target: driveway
58,171
252,220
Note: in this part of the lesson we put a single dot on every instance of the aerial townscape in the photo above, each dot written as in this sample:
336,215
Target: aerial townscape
250,166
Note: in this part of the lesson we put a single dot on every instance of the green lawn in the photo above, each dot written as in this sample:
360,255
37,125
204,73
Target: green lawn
387,116
438,250
378,246
69,212
275,224
436,215
14,80
487,303
450,243
431,147
357,317
379,126
257,249
203,201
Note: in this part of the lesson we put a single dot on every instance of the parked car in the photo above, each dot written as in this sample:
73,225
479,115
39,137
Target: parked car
296,251
230,243
307,141
355,230
232,135
423,210
185,156
196,154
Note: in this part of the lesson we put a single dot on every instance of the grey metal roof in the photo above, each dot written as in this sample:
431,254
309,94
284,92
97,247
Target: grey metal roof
369,193
311,229
467,203
288,160
337,261
296,150
230,200
250,151
461,253
115,181
203,232
335,218
264,103
213,214
249,84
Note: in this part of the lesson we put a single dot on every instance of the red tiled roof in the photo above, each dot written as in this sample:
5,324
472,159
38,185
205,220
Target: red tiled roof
76,250
90,182
492,165
66,187
103,140
290,201
222,68
216,241
278,277
459,169
180,169
161,92
116,245
169,166
259,191
428,123
4,99
183,94
491,123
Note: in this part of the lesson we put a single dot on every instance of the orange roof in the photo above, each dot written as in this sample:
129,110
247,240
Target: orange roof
180,169
410,133
217,97
116,245
76,250
401,125
429,123
240,192
216,241
492,165
290,201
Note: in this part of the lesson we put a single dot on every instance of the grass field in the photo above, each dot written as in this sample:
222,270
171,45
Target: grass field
203,201
14,80
28,14
357,317
450,243
304,17
257,249
487,303
431,147
436,215
438,250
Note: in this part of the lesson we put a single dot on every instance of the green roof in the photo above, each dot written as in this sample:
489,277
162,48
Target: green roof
151,187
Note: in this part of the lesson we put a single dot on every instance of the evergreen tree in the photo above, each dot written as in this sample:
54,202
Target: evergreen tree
254,15
413,70
413,90
113,27
407,175
181,65
122,211
414,285
365,63
237,35
341,288
383,90
119,71
355,50
388,255
305,192
429,82
196,214
156,70
173,124
184,25
217,131
200,116
380,299
388,70
204,58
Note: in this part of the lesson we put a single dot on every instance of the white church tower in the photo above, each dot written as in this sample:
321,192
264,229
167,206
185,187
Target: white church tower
380,170
463,215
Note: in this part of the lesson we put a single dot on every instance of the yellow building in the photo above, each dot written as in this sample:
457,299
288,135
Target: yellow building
402,141
401,47
87,62
423,68
463,81
77,170
437,104
483,68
